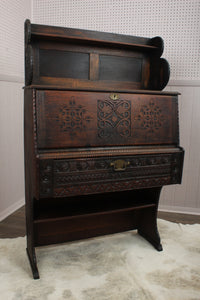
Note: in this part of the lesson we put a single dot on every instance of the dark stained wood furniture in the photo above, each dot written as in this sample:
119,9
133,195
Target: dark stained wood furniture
101,139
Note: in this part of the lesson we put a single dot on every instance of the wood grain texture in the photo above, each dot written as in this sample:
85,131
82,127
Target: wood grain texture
14,225
94,66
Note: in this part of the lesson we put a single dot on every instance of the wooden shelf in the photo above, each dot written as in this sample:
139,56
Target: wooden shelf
89,36
92,213
83,206
117,90
84,218
90,41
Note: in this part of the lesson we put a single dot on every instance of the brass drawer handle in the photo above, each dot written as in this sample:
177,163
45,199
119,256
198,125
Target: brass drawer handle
119,165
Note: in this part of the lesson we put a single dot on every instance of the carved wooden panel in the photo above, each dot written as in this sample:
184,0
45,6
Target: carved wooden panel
114,118
95,188
46,178
82,119
95,175
73,118
151,116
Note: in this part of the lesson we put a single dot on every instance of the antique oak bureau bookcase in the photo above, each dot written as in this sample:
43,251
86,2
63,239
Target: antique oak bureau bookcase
101,139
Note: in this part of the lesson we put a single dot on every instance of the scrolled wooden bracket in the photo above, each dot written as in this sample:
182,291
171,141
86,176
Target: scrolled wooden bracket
159,67
164,73
158,42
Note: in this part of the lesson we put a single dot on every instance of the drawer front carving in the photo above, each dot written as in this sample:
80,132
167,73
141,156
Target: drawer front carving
59,178
82,119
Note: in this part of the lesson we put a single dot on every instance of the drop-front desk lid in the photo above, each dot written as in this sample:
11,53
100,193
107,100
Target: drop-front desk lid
98,119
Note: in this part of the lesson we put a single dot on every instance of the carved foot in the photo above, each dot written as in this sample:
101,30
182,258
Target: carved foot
33,263
153,241
147,226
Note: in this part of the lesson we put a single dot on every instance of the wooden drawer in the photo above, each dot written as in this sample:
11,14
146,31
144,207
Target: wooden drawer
69,177
89,119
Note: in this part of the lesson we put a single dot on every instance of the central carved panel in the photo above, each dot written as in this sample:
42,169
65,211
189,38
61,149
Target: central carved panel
114,118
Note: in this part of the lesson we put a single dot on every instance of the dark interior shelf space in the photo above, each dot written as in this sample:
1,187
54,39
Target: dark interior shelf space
49,208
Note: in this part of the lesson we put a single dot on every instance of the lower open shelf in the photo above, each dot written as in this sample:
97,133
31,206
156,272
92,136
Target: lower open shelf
72,207
67,219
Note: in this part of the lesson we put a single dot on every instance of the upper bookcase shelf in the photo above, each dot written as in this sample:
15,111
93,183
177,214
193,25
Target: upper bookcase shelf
85,59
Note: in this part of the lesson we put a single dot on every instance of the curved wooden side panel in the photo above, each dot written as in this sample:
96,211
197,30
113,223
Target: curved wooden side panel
28,53
159,67
164,73
27,31
157,42
28,64
159,74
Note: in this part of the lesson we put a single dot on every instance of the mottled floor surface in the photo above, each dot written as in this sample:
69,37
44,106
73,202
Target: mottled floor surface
117,267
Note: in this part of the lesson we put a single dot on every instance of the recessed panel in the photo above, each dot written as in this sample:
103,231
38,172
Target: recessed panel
120,68
66,64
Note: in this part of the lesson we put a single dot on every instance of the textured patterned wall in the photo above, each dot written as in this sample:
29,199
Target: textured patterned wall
13,14
177,21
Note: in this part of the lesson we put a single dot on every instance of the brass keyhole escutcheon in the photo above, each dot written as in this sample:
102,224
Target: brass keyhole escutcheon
119,164
114,96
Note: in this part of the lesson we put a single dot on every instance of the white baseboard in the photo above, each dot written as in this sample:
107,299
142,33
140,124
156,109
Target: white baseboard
12,208
179,209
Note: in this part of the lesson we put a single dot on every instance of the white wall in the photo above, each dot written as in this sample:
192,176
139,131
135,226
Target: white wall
13,14
186,197
176,21
11,133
